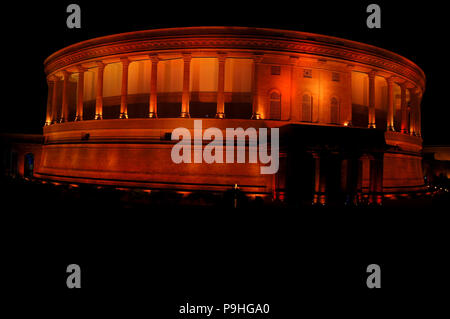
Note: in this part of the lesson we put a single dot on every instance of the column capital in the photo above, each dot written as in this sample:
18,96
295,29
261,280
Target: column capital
420,93
402,85
414,90
53,78
154,58
100,64
81,69
372,74
222,56
187,57
125,61
390,80
257,57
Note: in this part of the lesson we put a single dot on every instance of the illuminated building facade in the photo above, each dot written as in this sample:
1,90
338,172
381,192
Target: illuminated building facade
348,113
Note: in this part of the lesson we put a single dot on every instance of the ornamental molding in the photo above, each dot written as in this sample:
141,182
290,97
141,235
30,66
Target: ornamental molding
372,57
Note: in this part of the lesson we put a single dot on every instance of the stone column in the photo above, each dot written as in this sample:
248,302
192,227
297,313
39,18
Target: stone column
153,105
48,116
319,180
419,115
186,81
257,58
404,109
390,113
124,92
99,96
376,180
80,94
413,112
372,121
65,104
55,99
220,113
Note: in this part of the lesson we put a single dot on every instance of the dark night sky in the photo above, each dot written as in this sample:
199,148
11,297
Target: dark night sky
32,32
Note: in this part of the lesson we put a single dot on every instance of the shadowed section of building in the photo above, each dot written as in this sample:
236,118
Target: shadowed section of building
436,162
20,154
348,113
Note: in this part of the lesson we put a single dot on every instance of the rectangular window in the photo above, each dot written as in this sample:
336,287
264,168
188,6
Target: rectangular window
276,70
307,73
335,77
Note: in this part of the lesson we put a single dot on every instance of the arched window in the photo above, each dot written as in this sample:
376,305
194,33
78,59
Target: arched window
334,111
275,105
307,104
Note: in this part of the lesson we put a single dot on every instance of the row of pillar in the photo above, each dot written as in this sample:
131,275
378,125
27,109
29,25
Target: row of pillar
52,115
410,114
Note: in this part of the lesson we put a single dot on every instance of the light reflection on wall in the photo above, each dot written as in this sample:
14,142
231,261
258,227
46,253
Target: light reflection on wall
90,84
381,101
397,106
170,76
360,88
204,74
238,75
112,79
139,74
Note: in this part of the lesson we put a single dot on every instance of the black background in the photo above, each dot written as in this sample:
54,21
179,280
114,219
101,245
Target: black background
146,263
33,31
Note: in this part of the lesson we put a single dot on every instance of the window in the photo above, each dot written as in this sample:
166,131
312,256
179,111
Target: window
335,77
334,111
275,106
307,104
307,73
276,70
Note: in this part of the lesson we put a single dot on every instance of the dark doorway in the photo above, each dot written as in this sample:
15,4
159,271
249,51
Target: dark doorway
235,110
169,109
28,165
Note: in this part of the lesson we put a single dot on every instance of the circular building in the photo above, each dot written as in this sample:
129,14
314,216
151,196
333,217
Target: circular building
348,113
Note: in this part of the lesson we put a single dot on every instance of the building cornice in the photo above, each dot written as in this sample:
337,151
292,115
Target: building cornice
234,39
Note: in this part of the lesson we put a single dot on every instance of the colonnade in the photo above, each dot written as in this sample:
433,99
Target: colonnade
410,114
52,103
